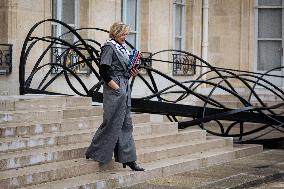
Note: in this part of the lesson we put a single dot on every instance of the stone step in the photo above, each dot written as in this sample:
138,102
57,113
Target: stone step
82,111
23,102
158,139
267,133
46,172
44,140
229,97
50,126
10,144
34,128
30,157
75,167
49,114
123,177
25,116
238,104
172,150
155,128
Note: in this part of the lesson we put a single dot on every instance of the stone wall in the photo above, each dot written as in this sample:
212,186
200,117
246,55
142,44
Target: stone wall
20,16
231,34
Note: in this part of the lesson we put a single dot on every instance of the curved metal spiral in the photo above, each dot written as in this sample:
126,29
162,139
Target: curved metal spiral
175,100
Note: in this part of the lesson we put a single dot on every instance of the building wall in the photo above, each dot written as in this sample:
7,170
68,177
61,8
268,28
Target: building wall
230,32
145,30
194,27
4,20
230,39
20,15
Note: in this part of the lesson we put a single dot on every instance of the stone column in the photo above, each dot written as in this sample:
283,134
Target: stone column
4,21
145,29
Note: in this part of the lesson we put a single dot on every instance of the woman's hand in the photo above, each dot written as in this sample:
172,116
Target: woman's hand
134,72
113,85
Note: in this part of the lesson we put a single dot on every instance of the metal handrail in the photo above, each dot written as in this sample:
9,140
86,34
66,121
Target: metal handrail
157,101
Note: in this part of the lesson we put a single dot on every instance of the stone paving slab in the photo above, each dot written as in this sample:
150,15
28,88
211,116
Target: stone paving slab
246,172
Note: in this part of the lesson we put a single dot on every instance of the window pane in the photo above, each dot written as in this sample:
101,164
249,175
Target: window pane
178,20
270,23
269,55
178,43
178,1
131,14
68,11
54,9
54,30
131,38
270,2
68,37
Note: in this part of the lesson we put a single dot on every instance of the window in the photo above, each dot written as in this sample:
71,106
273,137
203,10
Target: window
179,24
130,16
183,65
66,11
269,34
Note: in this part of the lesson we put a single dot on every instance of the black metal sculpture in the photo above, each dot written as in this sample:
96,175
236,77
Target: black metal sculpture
172,100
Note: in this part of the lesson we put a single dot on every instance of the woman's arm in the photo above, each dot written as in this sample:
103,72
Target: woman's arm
105,67
105,74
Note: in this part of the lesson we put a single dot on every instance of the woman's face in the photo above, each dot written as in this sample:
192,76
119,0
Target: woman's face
121,39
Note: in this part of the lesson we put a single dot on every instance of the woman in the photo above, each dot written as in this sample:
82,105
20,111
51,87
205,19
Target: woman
115,133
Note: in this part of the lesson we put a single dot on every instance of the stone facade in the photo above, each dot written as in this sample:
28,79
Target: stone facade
230,34
230,31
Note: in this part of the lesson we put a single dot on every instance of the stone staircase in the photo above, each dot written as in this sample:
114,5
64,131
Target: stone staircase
43,140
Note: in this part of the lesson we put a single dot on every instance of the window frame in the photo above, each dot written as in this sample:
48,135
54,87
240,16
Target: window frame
256,35
183,24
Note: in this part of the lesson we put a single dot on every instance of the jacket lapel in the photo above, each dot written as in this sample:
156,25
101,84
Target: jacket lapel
121,58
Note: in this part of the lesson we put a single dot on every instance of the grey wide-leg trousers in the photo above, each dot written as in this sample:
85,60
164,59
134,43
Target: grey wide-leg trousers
115,133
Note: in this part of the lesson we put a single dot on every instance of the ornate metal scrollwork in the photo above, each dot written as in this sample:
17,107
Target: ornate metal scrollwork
147,62
5,59
69,58
183,65
172,100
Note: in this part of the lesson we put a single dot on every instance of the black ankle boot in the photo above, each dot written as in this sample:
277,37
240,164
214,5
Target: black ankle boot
133,165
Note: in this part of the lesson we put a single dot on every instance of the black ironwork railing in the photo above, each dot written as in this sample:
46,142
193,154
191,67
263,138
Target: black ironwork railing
183,65
69,58
146,61
5,59
171,100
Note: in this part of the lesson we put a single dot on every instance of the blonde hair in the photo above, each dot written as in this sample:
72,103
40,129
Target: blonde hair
118,29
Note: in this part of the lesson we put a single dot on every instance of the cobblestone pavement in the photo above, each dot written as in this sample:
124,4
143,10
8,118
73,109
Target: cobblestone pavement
260,171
